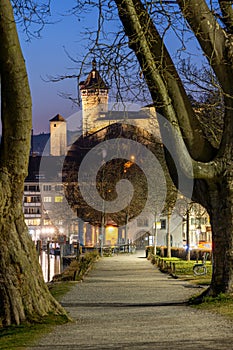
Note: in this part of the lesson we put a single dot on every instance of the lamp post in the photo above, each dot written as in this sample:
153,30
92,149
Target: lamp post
104,153
168,236
157,226
102,230
187,237
155,236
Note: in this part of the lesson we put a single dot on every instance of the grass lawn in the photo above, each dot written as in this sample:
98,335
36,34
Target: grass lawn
223,304
20,337
25,335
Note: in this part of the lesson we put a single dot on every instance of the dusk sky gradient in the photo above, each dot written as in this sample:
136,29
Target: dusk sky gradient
46,57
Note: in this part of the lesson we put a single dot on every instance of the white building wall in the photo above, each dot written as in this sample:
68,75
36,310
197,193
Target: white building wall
58,138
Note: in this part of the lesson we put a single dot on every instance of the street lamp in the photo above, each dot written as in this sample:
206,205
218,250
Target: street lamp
104,154
102,231
132,158
156,226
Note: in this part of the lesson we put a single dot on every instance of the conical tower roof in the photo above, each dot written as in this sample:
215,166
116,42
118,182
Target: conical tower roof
94,80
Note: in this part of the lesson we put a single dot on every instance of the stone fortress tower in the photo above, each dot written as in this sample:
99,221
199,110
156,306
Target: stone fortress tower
96,113
94,94
58,136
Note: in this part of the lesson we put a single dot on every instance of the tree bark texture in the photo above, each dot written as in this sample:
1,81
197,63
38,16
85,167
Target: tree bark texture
212,168
23,293
221,218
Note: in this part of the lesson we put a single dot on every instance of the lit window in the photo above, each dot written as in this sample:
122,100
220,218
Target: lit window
47,199
47,222
32,222
58,199
32,199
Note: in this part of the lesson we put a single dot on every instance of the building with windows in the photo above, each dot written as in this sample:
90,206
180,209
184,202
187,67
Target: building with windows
46,209
43,196
200,235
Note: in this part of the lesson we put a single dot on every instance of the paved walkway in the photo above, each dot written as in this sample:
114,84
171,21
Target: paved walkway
126,303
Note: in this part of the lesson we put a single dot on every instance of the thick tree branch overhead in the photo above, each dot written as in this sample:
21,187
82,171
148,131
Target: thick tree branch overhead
212,169
211,36
162,78
227,14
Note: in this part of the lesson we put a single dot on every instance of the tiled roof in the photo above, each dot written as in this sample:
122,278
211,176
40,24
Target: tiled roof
93,80
57,118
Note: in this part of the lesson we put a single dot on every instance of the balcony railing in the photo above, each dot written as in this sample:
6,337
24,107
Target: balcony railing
32,204
32,215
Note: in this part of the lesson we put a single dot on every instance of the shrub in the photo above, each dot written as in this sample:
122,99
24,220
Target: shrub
77,268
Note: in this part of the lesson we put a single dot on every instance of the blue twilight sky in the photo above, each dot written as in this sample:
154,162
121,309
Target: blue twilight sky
46,57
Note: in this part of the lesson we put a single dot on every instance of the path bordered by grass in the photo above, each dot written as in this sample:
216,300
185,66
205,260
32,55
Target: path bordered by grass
184,270
222,305
25,335
20,337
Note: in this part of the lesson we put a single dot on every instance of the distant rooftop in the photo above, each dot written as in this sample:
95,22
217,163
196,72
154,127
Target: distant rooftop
57,118
123,115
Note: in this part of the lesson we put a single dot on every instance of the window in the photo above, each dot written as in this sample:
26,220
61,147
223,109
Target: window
31,188
192,221
58,222
142,222
58,188
58,199
32,210
47,187
163,224
203,220
47,199
32,199
32,222
39,176
47,222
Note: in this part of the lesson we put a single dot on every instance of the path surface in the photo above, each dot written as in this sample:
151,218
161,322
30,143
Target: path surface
126,303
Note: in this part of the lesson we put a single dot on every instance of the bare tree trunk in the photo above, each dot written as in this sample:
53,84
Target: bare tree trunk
168,237
23,293
187,237
221,217
212,168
